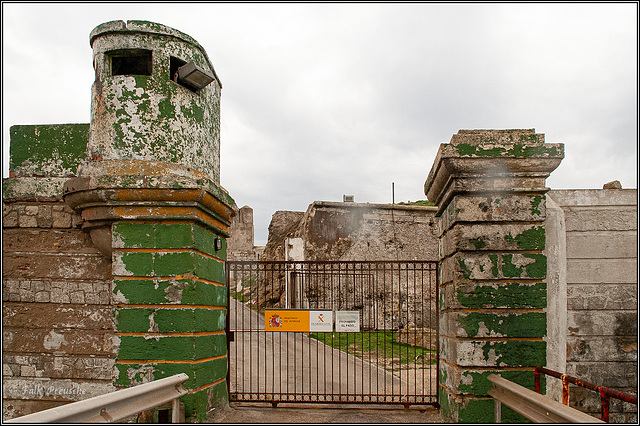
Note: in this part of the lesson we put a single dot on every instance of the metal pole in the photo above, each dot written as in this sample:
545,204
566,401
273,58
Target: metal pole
565,390
175,411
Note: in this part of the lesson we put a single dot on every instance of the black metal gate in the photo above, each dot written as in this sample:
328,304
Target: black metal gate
388,356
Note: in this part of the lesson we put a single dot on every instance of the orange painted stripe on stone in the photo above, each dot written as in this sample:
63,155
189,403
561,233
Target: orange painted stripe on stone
164,361
168,250
159,194
159,212
203,387
168,278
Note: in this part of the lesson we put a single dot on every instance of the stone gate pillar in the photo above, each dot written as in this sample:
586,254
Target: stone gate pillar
149,196
489,186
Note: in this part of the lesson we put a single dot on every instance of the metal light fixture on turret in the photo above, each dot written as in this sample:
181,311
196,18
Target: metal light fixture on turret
194,77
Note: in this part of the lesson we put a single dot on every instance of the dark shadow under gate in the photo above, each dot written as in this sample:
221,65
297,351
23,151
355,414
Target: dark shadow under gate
389,358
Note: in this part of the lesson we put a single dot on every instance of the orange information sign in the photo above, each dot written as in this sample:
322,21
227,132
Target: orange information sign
298,320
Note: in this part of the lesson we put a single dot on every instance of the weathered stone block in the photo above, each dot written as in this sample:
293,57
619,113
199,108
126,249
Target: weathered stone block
167,264
78,342
9,216
64,367
47,241
611,218
602,323
494,324
483,294
497,353
168,320
494,266
39,265
602,296
53,316
493,208
493,237
200,373
156,347
594,271
475,381
602,348
25,221
602,245
616,375
159,291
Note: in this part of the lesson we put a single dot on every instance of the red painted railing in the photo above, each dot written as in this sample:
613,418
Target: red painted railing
605,393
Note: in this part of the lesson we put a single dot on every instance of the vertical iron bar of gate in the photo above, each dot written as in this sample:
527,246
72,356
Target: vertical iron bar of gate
423,325
436,268
378,325
415,322
407,326
384,324
273,352
227,327
293,296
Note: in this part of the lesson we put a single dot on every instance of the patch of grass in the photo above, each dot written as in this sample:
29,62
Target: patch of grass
417,203
380,344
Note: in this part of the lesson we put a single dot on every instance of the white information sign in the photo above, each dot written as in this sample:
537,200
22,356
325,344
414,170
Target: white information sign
348,321
320,321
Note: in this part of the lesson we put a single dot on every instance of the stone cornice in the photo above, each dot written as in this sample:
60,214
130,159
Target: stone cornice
480,162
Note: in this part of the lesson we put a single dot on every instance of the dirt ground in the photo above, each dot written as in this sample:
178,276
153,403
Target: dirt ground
324,414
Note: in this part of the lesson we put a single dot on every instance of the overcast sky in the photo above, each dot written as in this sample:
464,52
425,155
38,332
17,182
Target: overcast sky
322,100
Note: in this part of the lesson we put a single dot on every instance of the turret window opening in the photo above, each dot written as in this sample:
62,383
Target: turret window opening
131,62
174,64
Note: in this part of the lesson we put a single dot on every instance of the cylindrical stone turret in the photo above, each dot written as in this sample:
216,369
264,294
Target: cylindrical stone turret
156,98
149,196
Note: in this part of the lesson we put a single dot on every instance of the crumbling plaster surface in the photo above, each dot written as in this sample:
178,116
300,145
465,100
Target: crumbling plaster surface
362,231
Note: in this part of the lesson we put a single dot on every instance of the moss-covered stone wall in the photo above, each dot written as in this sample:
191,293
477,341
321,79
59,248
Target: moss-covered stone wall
489,188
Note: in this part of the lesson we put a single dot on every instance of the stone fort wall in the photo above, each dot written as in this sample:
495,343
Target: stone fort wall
599,293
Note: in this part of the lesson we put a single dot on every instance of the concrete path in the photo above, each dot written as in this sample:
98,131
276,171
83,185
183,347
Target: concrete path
324,414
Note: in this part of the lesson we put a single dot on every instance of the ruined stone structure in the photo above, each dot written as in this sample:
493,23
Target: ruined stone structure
354,231
240,242
351,231
114,232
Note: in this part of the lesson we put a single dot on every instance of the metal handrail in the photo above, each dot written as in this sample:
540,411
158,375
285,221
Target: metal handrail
115,406
605,393
537,408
